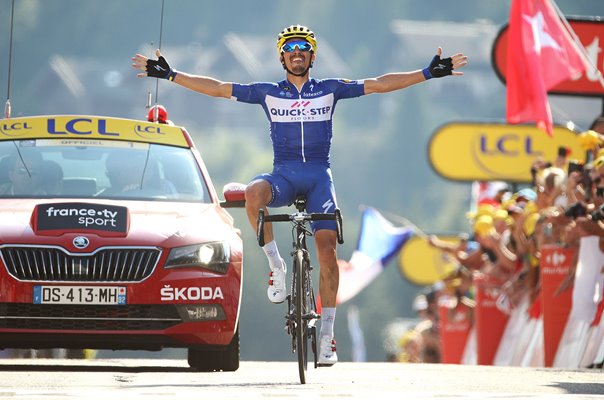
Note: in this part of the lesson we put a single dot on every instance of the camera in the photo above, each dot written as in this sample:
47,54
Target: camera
597,214
576,210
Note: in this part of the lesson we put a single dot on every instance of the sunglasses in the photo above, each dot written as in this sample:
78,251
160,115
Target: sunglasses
302,45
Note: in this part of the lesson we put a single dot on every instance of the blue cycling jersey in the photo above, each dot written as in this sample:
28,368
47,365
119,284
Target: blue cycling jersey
300,121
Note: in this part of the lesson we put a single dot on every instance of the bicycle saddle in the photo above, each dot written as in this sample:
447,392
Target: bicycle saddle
300,202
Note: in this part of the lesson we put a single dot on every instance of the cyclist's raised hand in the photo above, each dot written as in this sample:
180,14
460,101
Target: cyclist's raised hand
153,68
440,67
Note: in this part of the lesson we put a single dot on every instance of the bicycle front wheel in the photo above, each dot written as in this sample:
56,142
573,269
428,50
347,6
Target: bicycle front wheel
301,305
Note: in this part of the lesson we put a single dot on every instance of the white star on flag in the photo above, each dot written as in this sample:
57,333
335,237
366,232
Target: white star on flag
540,36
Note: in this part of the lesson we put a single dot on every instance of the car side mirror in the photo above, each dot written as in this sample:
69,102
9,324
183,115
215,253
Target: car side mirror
234,195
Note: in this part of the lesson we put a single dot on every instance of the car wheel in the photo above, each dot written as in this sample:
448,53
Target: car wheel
216,360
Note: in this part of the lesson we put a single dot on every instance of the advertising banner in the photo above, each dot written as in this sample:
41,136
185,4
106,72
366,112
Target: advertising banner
475,151
422,264
490,321
555,263
89,127
57,218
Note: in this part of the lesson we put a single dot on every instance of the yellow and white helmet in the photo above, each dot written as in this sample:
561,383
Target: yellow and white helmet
296,31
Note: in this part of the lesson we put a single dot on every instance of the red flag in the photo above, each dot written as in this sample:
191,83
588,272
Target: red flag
541,53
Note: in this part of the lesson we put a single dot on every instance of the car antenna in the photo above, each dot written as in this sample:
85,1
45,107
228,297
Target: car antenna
7,107
161,31
156,109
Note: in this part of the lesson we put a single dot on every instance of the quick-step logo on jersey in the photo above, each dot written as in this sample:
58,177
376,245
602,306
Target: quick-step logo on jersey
300,110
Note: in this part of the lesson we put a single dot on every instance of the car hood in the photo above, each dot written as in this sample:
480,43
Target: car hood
162,224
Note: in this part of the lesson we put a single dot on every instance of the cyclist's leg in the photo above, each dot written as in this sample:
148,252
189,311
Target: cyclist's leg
267,190
263,191
258,194
329,277
321,198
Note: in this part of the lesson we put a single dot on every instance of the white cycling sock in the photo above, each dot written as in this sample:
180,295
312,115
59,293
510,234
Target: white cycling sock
272,253
328,316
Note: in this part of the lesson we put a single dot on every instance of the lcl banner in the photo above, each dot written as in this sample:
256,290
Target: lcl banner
474,151
590,33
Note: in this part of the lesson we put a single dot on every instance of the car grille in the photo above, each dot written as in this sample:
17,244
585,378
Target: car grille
54,264
87,317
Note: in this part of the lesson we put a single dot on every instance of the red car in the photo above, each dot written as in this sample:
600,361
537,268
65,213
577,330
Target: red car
113,237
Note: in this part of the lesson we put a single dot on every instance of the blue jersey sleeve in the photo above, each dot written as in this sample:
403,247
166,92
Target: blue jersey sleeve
346,89
251,93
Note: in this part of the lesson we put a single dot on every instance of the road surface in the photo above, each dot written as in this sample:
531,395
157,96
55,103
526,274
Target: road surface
172,379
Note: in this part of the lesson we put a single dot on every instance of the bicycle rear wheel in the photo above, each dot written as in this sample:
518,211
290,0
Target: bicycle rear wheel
300,304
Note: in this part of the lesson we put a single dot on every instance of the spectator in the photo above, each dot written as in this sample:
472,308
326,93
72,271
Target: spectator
23,175
564,206
51,178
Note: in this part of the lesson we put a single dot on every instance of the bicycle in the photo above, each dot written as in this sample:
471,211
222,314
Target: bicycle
302,316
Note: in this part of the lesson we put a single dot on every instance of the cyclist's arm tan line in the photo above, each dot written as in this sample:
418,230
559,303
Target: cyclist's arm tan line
204,85
393,81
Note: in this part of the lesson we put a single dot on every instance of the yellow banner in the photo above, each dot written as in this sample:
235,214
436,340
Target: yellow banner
88,127
423,264
490,151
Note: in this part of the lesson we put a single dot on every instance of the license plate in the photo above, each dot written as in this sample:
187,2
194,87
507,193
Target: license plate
80,295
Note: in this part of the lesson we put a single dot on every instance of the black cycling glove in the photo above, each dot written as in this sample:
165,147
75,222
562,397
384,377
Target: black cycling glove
160,69
438,68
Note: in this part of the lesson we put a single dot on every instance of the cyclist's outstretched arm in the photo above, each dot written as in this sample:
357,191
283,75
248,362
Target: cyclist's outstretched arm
161,69
204,85
393,81
437,68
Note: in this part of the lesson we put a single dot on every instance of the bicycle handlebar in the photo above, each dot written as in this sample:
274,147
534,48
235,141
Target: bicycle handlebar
277,217
299,218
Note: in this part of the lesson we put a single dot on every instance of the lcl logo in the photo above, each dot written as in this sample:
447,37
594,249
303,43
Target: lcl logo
509,145
79,126
148,129
7,129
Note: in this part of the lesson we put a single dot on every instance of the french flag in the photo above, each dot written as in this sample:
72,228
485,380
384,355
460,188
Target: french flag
379,241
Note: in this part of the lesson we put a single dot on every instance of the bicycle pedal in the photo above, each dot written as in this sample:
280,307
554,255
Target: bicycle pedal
289,325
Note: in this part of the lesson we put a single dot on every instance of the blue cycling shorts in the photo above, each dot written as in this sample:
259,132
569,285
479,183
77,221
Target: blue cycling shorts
315,181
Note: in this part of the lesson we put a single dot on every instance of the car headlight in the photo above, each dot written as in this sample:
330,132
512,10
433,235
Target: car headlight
215,256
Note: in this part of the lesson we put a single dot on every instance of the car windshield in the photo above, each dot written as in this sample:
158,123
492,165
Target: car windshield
100,169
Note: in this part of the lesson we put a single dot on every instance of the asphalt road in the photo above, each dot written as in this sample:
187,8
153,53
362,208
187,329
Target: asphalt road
170,379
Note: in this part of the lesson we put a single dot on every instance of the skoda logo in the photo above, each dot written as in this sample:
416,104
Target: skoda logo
81,242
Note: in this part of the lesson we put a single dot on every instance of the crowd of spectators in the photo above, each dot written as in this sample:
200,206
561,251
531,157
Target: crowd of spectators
562,206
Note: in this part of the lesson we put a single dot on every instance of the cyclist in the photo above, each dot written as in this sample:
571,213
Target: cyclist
300,110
